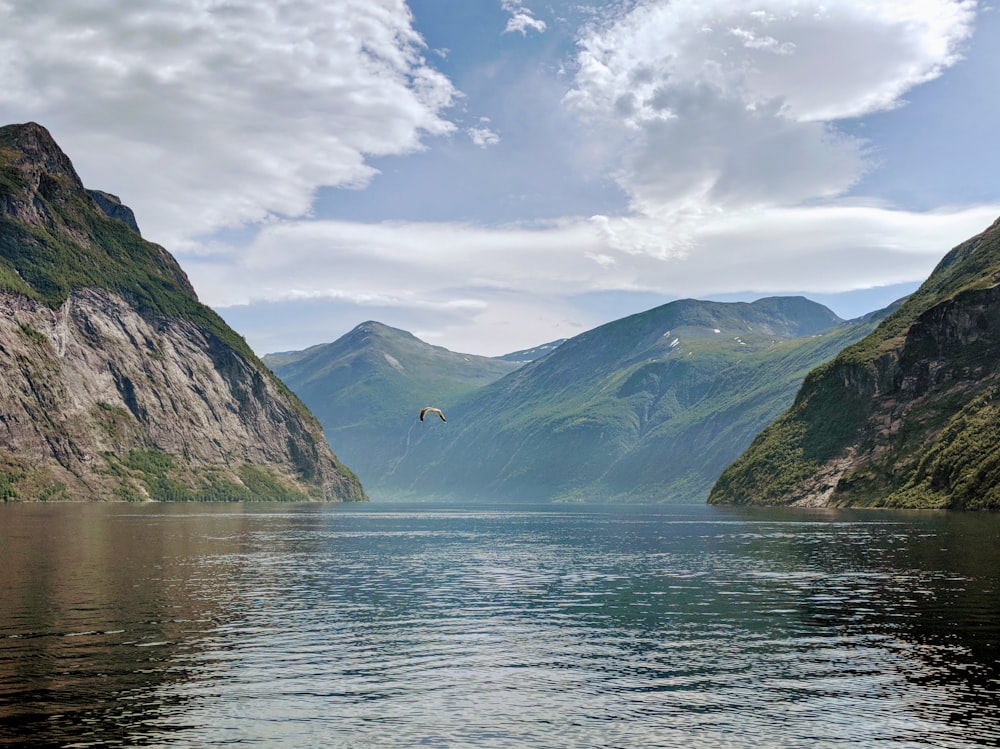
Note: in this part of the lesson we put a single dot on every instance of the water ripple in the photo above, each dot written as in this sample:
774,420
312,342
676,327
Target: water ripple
497,628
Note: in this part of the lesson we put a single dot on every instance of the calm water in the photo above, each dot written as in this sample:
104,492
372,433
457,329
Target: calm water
385,626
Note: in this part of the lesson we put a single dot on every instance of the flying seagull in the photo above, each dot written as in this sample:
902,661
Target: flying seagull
432,410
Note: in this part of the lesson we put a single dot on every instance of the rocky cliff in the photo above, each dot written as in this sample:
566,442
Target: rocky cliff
115,382
905,418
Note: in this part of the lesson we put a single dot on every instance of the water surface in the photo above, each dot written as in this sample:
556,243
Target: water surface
411,625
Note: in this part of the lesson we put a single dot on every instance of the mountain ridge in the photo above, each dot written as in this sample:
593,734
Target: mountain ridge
117,382
622,411
368,386
593,414
903,418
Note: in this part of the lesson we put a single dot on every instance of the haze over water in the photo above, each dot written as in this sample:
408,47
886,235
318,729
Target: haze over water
449,626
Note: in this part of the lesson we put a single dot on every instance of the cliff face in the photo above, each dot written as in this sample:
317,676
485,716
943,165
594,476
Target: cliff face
907,417
115,383
112,206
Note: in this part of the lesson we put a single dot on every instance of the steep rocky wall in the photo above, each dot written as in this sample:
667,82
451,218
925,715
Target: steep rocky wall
935,385
88,387
913,426
113,207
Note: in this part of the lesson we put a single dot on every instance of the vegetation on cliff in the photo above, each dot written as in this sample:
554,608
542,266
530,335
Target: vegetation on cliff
117,382
648,408
906,417
53,239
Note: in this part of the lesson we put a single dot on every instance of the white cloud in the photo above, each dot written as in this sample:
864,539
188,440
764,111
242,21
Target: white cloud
491,290
521,19
821,249
766,250
405,261
220,112
707,113
483,136
712,106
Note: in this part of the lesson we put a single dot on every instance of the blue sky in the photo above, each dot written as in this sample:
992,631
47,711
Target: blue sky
494,174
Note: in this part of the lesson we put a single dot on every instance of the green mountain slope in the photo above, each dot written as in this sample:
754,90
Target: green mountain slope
535,352
367,388
53,238
907,417
648,408
115,381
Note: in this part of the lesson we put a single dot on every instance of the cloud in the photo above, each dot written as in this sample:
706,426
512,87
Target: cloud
709,106
521,19
503,288
766,250
823,249
203,114
483,135
405,261
221,113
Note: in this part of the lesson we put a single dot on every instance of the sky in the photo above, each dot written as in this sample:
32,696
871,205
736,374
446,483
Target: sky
491,175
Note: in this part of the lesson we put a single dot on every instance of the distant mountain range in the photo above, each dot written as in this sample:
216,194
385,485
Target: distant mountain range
648,408
115,382
530,354
907,417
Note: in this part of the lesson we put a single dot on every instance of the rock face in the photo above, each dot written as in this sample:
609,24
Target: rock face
905,418
112,205
115,382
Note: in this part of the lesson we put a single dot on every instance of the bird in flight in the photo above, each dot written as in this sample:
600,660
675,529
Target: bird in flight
431,410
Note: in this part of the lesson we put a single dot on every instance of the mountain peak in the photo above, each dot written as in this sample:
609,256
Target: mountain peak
58,236
804,316
786,317
35,156
368,386
373,327
119,383
34,164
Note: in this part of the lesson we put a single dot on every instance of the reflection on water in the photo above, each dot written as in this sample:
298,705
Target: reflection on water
181,625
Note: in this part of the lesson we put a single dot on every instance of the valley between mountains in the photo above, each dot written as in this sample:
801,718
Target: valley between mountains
117,383
650,408
775,402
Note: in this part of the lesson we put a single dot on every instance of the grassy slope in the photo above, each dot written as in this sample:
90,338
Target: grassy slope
945,434
623,411
79,246
368,387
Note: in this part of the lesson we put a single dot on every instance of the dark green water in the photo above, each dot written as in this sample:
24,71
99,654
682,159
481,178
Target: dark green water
386,626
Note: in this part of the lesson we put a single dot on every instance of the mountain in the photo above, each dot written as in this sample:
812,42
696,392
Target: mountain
648,408
535,352
907,417
115,382
367,387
